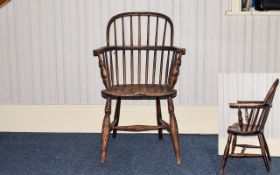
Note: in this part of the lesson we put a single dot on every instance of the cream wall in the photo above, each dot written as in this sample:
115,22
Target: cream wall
46,47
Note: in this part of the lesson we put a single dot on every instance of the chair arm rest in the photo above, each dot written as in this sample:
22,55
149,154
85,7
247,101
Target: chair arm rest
249,105
180,50
108,48
249,101
100,50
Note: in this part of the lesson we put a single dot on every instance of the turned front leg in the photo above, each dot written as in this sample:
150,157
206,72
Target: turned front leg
105,130
159,117
174,131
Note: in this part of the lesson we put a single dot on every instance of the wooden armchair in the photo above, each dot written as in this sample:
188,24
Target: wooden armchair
131,70
252,116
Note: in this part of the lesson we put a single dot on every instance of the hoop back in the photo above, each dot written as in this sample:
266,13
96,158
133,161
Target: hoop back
143,51
139,29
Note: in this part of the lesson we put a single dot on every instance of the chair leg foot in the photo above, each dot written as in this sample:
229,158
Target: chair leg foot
174,131
105,131
105,137
114,133
265,158
225,156
159,117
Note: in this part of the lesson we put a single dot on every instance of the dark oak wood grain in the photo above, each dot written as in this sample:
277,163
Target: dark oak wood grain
174,130
117,116
140,90
3,2
105,130
152,70
159,117
252,116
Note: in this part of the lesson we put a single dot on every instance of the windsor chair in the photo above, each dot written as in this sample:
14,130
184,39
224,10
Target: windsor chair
136,40
256,114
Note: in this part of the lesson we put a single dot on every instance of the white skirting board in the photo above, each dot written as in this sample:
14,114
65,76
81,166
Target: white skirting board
88,118
273,145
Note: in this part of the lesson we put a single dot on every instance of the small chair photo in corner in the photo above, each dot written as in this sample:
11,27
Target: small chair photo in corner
252,116
136,64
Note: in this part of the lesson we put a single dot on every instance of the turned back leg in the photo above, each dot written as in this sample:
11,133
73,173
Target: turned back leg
159,117
117,116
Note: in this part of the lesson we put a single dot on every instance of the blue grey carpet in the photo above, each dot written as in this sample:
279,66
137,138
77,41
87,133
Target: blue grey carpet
133,154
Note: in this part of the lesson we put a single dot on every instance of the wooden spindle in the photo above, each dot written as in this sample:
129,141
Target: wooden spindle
147,52
162,53
117,67
131,52
255,118
155,54
105,56
264,118
250,116
112,68
164,33
154,67
167,67
105,61
246,118
115,33
240,119
171,34
104,72
246,115
116,55
175,70
161,67
124,59
123,36
172,64
261,118
156,38
139,51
